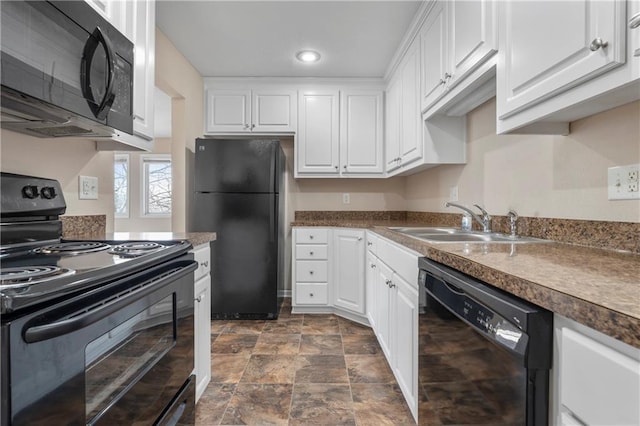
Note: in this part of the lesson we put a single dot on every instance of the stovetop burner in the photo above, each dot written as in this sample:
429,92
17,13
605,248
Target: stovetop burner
73,248
136,248
25,276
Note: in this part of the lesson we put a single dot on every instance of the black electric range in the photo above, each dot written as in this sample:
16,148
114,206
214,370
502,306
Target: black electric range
93,332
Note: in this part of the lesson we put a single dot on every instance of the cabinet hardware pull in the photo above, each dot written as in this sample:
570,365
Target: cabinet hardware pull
447,76
205,263
310,253
597,43
246,126
373,266
369,243
441,82
311,237
634,22
391,284
198,299
336,167
311,294
359,238
253,126
310,272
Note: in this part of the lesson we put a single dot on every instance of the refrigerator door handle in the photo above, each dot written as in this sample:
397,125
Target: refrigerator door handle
273,215
272,168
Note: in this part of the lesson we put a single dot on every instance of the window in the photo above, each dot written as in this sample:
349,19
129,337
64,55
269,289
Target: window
121,185
156,185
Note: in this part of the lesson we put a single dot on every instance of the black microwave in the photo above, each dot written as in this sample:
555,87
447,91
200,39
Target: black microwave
66,71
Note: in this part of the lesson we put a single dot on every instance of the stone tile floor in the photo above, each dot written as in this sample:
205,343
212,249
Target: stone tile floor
299,370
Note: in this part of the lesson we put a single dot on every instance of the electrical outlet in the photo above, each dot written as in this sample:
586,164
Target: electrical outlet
346,198
453,193
88,188
623,182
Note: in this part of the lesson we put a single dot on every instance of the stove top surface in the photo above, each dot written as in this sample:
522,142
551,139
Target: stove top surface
31,274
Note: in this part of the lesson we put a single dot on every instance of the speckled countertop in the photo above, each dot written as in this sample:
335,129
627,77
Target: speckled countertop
596,287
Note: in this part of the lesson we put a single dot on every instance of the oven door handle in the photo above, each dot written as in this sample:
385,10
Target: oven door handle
38,333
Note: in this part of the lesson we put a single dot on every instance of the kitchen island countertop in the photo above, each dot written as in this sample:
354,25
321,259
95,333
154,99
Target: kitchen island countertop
596,287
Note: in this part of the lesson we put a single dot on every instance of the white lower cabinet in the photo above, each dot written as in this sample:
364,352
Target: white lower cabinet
348,260
202,318
596,378
395,312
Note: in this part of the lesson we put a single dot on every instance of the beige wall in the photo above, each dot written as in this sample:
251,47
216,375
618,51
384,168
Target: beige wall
64,160
180,80
545,176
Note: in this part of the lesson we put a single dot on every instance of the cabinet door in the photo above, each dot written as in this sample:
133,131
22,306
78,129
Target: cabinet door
411,118
274,110
228,110
371,278
383,308
392,126
318,132
537,64
433,38
472,35
348,266
404,351
361,132
143,36
202,333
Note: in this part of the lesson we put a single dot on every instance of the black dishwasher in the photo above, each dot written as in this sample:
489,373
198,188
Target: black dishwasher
484,354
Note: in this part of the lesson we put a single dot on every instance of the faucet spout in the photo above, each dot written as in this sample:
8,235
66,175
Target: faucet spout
485,220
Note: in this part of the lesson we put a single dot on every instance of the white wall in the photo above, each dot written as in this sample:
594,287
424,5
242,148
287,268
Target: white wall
544,176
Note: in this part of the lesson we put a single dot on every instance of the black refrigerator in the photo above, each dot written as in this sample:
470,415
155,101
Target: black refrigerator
239,195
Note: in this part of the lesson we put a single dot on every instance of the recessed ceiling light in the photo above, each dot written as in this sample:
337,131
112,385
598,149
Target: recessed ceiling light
308,56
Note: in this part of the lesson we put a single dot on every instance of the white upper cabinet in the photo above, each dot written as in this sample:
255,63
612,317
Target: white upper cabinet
434,55
456,38
361,135
584,54
317,144
142,16
237,108
340,132
404,143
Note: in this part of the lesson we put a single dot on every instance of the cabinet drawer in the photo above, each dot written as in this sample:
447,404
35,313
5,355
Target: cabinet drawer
311,252
400,260
202,255
311,270
311,236
311,294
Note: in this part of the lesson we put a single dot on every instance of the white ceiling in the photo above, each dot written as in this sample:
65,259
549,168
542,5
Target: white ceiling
260,38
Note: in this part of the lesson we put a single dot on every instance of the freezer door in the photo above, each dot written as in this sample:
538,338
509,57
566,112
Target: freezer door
236,166
245,254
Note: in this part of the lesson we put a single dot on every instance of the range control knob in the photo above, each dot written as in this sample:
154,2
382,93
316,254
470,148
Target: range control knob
48,192
30,191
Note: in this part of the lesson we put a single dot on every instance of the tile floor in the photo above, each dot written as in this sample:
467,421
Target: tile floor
299,370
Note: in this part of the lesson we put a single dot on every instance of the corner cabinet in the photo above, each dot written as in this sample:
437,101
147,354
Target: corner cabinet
247,108
348,261
583,62
202,318
340,133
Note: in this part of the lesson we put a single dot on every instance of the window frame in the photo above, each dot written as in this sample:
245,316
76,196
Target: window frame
118,158
144,188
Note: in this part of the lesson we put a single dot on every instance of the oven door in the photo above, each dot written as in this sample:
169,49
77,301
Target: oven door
116,355
67,55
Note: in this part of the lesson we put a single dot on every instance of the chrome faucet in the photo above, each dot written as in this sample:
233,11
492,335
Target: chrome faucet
513,222
485,220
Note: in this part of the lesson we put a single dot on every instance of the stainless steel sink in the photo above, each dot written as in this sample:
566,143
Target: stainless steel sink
456,235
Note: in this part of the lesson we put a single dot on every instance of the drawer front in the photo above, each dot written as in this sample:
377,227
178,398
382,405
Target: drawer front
312,236
202,255
311,294
311,252
311,270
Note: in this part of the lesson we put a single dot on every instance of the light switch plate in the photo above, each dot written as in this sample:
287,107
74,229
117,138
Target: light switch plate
88,188
623,182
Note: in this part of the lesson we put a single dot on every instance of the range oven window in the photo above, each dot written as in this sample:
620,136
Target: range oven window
120,357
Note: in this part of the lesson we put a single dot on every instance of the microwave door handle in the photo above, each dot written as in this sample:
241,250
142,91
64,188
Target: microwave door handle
41,332
98,37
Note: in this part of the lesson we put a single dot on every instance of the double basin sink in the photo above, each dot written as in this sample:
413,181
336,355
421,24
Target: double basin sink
457,235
